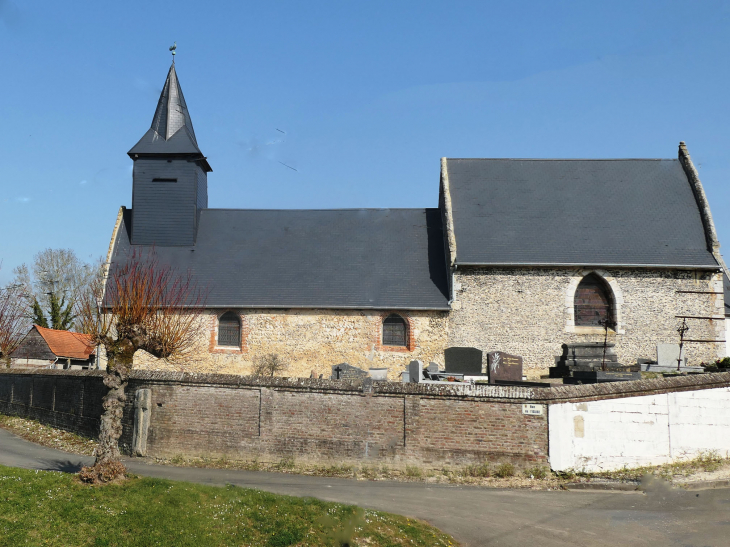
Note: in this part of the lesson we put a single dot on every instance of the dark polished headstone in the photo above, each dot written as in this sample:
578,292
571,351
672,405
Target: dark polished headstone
466,361
503,366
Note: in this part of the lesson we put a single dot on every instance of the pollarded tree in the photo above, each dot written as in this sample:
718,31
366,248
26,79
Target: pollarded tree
141,305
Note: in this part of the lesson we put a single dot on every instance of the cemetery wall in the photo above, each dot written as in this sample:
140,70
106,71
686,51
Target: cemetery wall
613,434
313,340
370,422
529,312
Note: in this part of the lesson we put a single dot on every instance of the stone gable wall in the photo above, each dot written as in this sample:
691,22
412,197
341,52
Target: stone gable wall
528,312
313,340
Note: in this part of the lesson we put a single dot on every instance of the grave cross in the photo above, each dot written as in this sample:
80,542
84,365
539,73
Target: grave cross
682,330
337,371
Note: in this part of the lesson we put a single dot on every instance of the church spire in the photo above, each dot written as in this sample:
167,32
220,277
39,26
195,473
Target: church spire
172,112
171,131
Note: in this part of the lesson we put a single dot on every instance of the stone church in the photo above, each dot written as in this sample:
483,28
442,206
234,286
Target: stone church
521,255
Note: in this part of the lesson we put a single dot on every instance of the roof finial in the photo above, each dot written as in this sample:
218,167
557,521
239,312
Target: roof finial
173,47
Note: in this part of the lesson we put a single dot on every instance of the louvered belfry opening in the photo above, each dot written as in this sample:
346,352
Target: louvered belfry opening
395,331
229,330
593,302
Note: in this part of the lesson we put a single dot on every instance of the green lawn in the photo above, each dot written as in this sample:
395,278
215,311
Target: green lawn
49,508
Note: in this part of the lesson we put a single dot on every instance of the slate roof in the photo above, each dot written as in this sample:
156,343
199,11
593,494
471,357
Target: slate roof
67,344
580,212
351,258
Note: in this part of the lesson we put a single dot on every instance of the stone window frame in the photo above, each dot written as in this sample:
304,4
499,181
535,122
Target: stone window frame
410,339
616,293
213,346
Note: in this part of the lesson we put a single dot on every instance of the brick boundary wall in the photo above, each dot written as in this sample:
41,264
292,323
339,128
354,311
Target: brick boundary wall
316,420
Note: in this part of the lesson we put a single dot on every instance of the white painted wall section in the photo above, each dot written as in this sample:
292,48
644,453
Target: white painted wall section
634,431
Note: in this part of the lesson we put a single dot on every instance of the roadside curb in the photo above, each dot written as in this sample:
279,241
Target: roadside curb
636,486
604,486
703,485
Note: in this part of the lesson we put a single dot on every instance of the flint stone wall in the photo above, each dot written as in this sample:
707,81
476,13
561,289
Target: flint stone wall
313,340
528,312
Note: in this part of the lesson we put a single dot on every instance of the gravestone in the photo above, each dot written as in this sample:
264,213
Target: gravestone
343,371
142,405
466,361
379,374
503,366
415,371
433,367
591,362
667,355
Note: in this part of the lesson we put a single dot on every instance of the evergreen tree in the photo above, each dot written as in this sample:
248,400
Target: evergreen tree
38,317
61,313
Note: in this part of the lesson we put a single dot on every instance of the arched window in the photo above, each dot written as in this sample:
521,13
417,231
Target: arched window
229,330
593,302
395,331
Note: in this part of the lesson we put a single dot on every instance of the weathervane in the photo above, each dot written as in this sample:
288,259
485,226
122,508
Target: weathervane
173,47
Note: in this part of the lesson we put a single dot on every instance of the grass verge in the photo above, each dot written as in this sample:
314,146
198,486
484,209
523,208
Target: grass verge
50,508
48,436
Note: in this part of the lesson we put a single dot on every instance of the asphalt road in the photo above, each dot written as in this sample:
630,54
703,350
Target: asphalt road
474,516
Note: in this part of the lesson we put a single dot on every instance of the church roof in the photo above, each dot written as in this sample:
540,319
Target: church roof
635,212
171,131
342,258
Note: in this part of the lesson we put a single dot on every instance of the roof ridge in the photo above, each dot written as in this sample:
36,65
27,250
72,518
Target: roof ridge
565,159
320,210
57,330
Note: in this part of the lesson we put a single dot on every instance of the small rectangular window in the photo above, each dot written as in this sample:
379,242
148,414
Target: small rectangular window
164,180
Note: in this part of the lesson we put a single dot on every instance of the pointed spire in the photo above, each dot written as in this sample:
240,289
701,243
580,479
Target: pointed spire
172,112
171,131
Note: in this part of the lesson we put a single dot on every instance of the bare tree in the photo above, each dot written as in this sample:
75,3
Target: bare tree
55,281
268,365
142,305
13,322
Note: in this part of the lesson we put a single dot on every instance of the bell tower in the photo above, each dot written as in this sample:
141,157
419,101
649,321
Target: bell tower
170,176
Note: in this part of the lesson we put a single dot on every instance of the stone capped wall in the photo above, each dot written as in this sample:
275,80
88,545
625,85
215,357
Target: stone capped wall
528,312
208,415
313,340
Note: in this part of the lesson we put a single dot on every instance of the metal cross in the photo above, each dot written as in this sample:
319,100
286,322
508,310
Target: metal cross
682,330
337,371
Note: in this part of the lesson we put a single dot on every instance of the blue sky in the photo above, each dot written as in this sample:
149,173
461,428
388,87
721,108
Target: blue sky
362,98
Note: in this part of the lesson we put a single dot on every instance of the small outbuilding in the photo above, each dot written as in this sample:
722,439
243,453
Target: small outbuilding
50,348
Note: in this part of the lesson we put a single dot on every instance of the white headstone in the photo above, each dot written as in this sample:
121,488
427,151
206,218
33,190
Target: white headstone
667,355
379,374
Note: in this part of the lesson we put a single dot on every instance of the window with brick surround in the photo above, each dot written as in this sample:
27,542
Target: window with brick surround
395,331
593,302
229,330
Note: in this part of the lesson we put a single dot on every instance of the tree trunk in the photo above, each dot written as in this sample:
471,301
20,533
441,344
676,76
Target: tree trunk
110,430
107,466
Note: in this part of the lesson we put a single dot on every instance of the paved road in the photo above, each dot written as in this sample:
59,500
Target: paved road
474,516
